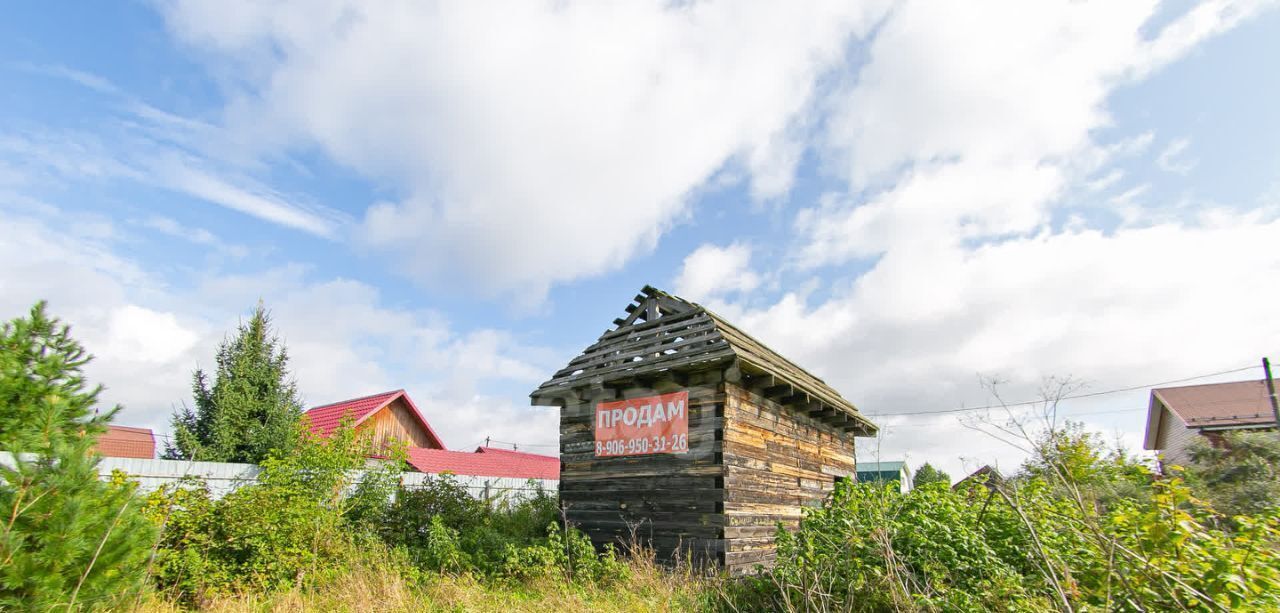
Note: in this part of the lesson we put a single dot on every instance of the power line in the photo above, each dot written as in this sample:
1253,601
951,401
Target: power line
494,440
925,425
1071,397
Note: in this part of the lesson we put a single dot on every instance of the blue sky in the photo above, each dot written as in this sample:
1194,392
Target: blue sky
455,201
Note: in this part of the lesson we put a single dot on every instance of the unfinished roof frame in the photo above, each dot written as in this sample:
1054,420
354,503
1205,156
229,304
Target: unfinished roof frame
664,337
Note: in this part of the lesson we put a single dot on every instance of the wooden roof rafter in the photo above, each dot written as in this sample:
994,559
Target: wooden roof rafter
665,333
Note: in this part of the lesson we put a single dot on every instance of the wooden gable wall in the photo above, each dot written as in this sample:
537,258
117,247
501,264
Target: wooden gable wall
395,422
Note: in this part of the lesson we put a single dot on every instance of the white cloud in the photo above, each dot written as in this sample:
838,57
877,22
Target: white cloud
933,204
1205,20
198,236
1134,306
711,271
79,77
1171,158
1013,82
139,334
257,203
147,146
969,124
959,138
544,142
343,340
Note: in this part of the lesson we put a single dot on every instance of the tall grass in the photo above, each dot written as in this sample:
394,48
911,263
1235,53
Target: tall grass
374,586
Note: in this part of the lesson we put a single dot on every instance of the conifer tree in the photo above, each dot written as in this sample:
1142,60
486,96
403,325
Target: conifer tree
69,540
251,407
929,474
41,386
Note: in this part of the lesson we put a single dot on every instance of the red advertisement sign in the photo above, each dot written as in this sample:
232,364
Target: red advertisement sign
643,426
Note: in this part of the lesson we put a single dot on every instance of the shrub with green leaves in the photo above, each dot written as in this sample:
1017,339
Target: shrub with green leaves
301,521
440,515
1061,535
1239,473
67,539
569,555
872,548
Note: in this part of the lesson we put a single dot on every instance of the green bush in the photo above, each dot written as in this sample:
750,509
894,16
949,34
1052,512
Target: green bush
566,554
1240,475
444,528
303,520
872,548
1081,528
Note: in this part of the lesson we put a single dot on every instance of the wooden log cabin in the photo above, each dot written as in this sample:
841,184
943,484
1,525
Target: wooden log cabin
681,431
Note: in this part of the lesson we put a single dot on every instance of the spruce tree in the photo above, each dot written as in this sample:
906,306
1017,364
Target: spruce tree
69,540
41,386
929,474
250,409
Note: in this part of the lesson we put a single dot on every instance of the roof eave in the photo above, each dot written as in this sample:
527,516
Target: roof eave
1155,415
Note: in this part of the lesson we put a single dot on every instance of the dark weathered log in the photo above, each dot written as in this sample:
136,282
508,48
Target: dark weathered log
766,439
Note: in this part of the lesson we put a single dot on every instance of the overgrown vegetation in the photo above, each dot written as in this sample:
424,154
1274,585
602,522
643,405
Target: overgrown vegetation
287,529
1240,475
1080,527
317,513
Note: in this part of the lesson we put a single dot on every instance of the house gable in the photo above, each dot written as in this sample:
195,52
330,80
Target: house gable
391,416
397,421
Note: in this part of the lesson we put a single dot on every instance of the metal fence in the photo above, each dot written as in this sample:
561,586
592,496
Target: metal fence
224,477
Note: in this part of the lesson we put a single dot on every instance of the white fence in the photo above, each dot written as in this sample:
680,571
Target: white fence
220,477
490,488
223,477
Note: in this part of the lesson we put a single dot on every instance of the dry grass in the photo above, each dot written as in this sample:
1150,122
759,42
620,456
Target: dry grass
646,587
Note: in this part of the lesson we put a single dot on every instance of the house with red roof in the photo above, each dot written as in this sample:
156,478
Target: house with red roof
393,417
389,416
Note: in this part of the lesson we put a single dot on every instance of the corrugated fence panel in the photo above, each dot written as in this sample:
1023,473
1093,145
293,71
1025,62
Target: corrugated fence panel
490,488
220,477
223,477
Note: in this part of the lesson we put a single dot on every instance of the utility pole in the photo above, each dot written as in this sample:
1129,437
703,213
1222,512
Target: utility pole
1271,390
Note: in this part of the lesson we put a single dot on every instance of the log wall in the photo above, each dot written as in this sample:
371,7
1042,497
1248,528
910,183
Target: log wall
752,463
776,461
673,503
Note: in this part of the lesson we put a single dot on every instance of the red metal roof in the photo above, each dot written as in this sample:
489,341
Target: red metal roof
486,462
127,442
324,419
1219,404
